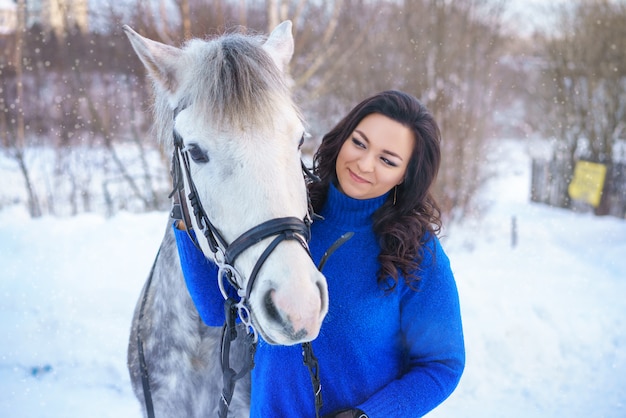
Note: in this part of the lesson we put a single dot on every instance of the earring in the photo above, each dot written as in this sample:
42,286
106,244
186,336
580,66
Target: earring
395,194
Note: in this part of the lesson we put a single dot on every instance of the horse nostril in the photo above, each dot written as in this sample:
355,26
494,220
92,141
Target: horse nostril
323,297
270,307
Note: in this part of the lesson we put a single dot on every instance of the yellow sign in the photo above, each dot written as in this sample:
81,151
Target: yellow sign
588,182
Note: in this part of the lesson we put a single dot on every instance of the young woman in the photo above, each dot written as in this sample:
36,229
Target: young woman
391,344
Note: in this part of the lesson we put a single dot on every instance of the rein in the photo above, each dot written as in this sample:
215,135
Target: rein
287,228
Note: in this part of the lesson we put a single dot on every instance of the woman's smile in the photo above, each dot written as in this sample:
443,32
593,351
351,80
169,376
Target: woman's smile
357,178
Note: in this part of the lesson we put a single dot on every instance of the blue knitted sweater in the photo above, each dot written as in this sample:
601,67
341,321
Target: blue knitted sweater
394,355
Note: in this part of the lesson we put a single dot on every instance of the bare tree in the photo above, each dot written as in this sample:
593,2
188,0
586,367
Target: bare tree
17,144
451,62
336,62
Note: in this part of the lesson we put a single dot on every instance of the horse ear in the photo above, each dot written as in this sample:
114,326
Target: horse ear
159,59
280,45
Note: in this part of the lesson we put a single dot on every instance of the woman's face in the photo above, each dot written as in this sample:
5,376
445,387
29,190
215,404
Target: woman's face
374,158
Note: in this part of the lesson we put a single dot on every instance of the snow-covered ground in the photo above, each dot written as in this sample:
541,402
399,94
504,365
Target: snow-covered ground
544,320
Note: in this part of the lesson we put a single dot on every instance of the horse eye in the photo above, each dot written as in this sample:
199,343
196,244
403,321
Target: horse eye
305,134
197,154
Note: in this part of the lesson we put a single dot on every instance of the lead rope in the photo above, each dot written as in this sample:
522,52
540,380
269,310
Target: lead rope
310,361
143,367
229,375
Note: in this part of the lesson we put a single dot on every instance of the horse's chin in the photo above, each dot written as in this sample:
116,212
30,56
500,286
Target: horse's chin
267,339
286,341
284,336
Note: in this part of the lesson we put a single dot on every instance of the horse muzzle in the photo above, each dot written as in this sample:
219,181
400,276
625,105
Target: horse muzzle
293,313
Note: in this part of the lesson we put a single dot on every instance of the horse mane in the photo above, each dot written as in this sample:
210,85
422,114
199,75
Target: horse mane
230,79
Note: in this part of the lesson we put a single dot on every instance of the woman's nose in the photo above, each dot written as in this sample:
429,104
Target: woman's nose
366,164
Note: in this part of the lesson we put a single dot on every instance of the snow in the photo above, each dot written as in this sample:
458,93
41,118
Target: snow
544,319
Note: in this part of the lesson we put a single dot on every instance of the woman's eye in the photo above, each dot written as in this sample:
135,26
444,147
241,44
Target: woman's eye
388,162
301,142
198,154
358,143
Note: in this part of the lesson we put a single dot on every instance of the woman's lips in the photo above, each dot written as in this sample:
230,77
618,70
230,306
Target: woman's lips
357,178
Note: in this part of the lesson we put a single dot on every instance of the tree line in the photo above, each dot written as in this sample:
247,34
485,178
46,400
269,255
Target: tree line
85,98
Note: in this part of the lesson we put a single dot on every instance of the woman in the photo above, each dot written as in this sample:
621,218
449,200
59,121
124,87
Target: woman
391,344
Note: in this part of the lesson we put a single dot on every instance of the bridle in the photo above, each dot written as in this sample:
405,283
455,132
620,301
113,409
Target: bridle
281,229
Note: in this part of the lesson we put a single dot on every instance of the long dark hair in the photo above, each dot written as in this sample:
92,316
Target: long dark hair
401,227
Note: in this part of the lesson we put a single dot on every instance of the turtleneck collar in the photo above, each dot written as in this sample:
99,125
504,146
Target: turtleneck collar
349,212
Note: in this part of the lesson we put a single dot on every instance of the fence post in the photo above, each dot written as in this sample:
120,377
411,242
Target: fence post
513,231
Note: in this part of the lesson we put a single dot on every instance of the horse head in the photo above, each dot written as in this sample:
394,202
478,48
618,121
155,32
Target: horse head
228,101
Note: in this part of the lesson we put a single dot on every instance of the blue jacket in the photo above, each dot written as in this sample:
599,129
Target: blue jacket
394,355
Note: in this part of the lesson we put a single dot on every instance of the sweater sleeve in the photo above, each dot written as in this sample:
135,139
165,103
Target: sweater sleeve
433,337
201,279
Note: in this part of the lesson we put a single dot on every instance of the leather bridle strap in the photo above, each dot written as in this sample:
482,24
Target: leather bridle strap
289,228
212,235
267,229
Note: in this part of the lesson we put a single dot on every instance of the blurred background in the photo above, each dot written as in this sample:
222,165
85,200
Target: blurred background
75,104
531,99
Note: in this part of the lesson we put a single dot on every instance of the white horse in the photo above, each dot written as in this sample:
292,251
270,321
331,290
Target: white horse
227,103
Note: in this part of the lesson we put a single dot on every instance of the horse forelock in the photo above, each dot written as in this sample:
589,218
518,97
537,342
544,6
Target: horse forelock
231,82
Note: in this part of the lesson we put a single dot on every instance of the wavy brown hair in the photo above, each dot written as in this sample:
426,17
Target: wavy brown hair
402,228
